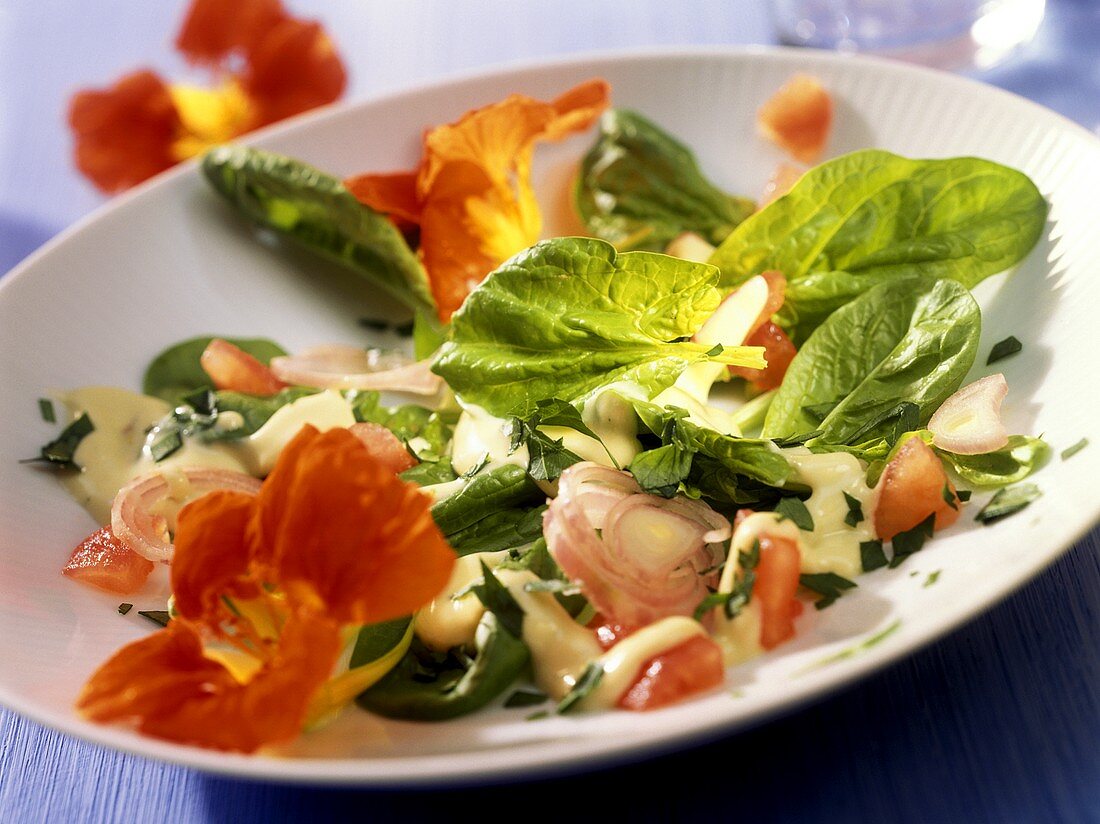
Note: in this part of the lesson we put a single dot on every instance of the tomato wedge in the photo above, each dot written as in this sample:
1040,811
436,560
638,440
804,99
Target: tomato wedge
775,587
385,447
911,489
691,667
230,367
798,118
103,561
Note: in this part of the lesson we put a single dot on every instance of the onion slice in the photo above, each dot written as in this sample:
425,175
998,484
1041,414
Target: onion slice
652,558
144,511
969,422
341,366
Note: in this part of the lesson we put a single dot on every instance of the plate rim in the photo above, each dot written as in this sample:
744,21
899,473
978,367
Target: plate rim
412,771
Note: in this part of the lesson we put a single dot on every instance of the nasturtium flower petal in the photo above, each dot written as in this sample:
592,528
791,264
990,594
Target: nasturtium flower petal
124,134
213,30
474,201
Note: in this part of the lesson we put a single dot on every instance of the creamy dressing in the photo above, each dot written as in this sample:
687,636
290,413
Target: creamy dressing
448,621
108,454
833,546
699,411
112,455
622,664
612,418
479,436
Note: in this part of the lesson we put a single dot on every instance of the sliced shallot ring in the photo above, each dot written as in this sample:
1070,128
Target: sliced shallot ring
138,513
600,563
969,422
341,366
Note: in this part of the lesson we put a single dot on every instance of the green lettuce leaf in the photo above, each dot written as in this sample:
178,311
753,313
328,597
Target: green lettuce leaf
176,371
1021,456
639,188
569,316
870,216
906,341
315,210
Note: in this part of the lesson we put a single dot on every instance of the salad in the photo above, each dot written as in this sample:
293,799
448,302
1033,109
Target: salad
619,464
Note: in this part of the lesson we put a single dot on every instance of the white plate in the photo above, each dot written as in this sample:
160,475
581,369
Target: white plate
169,261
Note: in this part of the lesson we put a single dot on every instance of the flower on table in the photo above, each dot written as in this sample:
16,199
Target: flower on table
471,195
267,588
268,65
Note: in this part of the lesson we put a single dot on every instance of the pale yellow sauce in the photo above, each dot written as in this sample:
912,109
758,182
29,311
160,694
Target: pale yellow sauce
833,546
481,437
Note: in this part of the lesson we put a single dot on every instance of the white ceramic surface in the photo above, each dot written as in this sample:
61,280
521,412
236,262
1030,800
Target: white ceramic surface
168,261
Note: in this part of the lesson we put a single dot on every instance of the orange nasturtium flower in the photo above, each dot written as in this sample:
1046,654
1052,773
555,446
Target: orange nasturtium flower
268,590
268,64
471,195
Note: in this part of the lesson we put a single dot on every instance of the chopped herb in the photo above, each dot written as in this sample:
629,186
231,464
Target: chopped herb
828,585
750,559
168,442
1007,502
854,650
525,697
795,510
1003,348
538,716
45,409
498,600
588,681
157,616
949,497
473,470
731,602
60,451
912,540
932,578
1070,451
963,494
855,510
549,458
871,555
660,471
796,440
552,585
124,608
203,402
715,350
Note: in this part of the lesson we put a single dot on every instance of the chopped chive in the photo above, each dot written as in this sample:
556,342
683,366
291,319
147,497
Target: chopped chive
538,716
1007,502
167,443
61,450
124,608
1070,451
157,616
1003,349
855,510
525,697
871,555
828,585
715,351
795,510
588,681
45,409
932,578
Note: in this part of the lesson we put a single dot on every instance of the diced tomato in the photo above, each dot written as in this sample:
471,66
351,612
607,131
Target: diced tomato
385,447
230,367
775,587
104,561
798,118
778,352
911,489
691,667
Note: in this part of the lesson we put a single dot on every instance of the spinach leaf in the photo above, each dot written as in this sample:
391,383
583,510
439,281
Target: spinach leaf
504,488
750,457
569,316
870,216
176,371
316,210
1013,462
906,340
428,472
406,421
504,529
660,471
639,188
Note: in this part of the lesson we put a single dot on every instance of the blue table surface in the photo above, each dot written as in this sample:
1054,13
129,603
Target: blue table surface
1000,721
